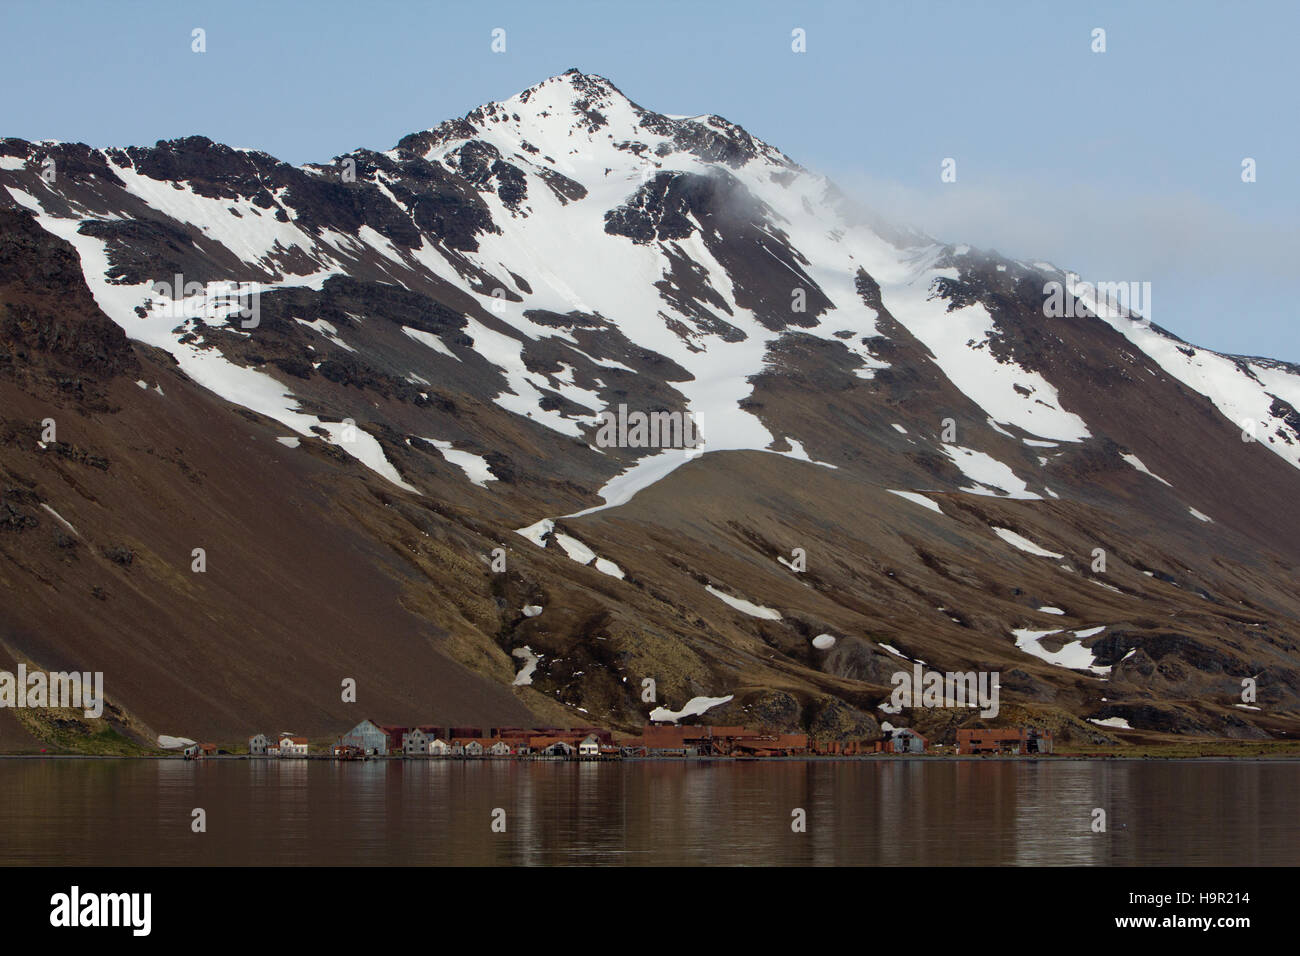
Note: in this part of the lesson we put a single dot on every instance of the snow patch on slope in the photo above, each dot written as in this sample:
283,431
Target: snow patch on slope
475,466
524,677
1024,544
745,607
1072,654
916,499
991,476
692,708
579,552
1119,723
1137,463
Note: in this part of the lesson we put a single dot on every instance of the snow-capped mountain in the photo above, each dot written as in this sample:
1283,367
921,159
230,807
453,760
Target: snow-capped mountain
357,379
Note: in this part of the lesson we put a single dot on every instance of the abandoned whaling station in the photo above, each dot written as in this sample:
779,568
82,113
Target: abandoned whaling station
371,740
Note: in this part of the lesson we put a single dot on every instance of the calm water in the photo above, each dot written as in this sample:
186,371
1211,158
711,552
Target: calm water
893,812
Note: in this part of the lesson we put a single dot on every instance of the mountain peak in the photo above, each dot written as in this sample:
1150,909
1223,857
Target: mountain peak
576,116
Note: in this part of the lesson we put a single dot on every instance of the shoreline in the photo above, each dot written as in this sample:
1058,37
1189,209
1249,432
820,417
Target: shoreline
811,758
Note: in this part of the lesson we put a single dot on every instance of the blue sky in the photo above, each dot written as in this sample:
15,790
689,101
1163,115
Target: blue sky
1123,165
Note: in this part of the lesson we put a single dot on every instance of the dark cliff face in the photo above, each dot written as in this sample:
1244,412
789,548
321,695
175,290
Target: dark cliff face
436,299
50,327
739,231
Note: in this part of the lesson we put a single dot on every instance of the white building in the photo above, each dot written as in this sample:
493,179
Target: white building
416,741
590,746
292,746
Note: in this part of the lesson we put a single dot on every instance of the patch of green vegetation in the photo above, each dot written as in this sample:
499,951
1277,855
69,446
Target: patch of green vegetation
1190,748
70,732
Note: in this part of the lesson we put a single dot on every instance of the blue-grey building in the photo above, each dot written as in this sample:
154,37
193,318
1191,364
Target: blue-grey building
368,737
